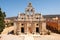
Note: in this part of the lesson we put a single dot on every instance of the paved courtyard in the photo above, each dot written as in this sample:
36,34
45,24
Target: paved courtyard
30,37
4,36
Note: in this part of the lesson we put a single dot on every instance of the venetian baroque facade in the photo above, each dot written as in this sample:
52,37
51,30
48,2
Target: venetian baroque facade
29,22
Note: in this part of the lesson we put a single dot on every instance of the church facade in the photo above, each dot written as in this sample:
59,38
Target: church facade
29,22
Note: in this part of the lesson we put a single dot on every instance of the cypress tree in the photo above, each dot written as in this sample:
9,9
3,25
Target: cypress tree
2,23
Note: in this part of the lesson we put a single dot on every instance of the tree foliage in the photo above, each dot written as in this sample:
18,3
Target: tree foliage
2,16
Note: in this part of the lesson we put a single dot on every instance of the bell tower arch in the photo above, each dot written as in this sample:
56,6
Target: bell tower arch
29,10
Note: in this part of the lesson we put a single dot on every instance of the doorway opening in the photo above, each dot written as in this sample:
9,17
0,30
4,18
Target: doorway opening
37,29
22,29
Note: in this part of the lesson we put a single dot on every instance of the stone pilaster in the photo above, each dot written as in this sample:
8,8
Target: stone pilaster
15,27
44,30
33,28
19,30
40,27
25,27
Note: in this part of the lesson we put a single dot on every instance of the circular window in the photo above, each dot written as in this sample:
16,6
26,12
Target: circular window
37,24
22,24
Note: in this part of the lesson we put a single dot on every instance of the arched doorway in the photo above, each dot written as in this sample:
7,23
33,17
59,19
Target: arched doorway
30,29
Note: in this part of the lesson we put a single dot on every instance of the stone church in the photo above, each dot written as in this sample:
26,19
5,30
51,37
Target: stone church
29,22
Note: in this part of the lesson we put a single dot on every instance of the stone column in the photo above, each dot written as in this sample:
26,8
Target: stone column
15,27
25,27
44,30
40,27
19,29
33,28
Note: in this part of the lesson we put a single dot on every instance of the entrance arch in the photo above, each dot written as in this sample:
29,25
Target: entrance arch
30,29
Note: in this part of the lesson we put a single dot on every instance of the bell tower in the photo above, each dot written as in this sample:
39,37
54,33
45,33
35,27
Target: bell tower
29,10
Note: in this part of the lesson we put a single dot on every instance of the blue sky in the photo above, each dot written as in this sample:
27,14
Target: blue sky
45,7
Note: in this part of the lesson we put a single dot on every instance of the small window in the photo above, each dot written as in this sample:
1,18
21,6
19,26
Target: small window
12,24
22,29
37,24
21,18
37,29
22,24
37,18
